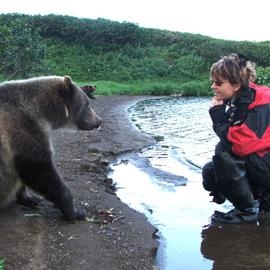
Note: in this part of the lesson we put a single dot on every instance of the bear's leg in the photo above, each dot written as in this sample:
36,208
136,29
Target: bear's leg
24,198
43,178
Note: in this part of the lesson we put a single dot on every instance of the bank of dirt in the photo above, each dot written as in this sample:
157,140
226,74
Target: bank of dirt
114,236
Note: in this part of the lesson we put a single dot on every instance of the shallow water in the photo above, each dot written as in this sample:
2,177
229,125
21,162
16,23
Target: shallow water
164,182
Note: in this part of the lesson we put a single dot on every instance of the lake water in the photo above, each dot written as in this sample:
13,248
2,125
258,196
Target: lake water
164,182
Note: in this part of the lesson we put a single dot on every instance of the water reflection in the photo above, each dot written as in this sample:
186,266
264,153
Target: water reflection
237,247
173,201
164,182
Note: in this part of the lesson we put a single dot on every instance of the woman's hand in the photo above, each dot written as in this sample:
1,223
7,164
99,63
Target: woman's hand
216,102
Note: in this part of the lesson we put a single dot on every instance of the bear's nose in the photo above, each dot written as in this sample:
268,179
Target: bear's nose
98,122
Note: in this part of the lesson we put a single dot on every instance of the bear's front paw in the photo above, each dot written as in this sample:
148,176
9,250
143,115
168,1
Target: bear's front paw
76,214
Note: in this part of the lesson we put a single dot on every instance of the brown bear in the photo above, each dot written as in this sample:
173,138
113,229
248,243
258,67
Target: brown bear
89,90
29,110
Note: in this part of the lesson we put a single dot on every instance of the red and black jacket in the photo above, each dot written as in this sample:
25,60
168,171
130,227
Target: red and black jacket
244,125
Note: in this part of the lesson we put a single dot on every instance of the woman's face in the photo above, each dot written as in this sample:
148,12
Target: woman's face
223,89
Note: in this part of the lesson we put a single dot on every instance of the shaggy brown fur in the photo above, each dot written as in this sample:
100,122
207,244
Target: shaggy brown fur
29,110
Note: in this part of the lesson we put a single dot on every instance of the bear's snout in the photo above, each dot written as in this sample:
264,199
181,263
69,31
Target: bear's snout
93,121
97,122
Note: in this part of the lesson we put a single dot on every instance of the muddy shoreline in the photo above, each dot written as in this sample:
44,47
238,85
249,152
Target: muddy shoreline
113,236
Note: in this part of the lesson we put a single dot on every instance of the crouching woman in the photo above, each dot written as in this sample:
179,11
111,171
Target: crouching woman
240,168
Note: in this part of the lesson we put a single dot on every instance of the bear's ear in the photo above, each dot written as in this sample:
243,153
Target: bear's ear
67,90
67,81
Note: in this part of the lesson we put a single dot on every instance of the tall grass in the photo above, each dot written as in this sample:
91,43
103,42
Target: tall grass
196,88
156,88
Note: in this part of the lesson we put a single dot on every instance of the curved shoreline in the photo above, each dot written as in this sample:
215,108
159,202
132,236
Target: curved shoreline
47,242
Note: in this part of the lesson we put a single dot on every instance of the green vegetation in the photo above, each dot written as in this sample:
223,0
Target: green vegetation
1,264
119,58
197,88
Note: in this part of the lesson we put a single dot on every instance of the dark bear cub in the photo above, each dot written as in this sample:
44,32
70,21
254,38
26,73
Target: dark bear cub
29,110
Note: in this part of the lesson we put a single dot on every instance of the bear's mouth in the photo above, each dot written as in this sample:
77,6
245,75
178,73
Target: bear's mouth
89,125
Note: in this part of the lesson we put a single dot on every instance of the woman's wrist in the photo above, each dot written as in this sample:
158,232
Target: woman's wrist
216,102
218,114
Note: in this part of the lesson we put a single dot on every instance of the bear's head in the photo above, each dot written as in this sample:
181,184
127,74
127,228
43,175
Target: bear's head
78,109
89,88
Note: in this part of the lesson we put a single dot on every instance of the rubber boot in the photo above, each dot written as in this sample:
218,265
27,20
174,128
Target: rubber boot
236,216
210,183
230,172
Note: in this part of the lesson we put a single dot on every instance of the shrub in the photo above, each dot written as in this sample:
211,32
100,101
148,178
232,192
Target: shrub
22,50
1,264
263,76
